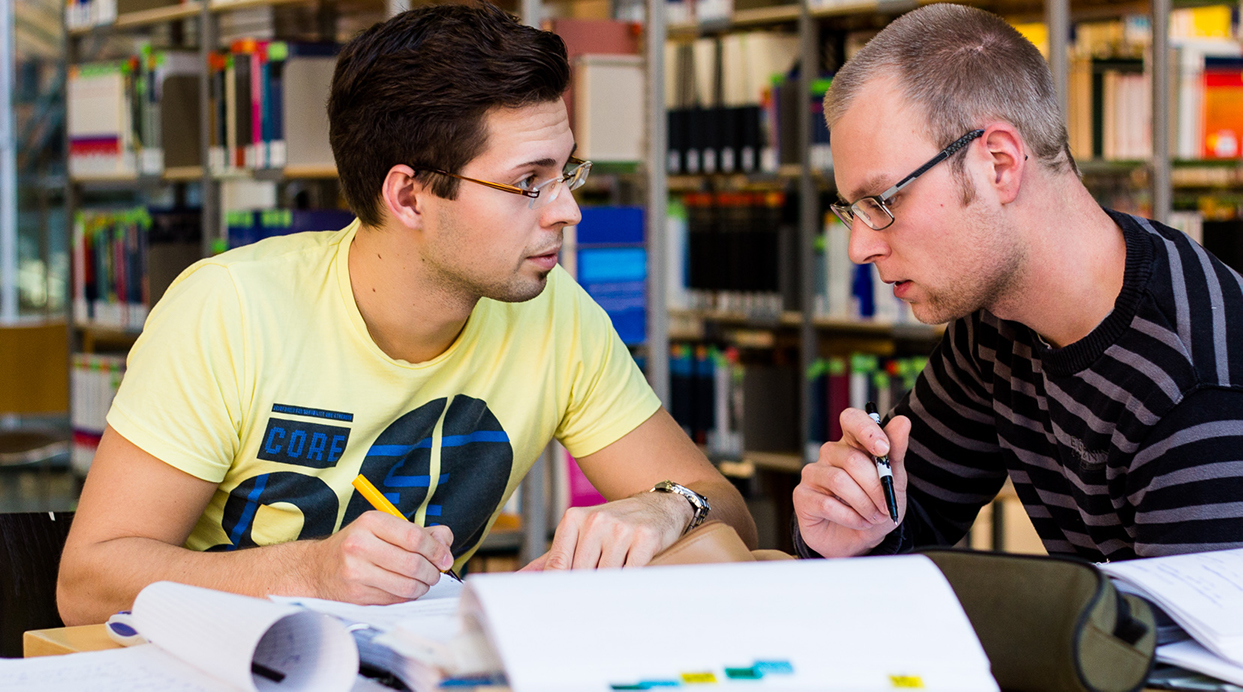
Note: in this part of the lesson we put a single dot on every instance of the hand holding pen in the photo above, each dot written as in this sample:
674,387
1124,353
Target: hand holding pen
842,504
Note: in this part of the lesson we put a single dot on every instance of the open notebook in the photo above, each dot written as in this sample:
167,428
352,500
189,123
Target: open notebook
206,640
861,624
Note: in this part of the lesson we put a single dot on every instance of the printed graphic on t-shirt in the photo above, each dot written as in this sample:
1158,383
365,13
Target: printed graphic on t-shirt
446,462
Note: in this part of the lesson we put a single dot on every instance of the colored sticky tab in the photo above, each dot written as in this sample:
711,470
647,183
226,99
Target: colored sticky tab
907,681
698,678
774,668
473,681
743,674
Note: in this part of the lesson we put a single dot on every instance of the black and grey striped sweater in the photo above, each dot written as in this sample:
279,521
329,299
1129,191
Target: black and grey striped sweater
1127,443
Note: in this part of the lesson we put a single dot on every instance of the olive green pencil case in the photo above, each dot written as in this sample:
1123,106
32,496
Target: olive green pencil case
1051,624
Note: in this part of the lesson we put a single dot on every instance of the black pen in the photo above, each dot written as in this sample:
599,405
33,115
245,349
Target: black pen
883,470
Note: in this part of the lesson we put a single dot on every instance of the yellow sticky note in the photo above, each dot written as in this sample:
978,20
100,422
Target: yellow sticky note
907,681
698,678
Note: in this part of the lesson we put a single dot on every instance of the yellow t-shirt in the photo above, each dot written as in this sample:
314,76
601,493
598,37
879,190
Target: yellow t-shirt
256,371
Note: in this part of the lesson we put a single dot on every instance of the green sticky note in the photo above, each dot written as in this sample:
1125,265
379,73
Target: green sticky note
743,674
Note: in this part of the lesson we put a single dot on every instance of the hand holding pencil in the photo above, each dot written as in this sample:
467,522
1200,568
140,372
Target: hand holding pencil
377,559
377,500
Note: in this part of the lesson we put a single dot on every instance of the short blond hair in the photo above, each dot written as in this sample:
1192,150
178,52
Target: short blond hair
963,67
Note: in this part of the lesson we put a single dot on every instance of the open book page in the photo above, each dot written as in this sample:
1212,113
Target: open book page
250,643
420,641
441,599
862,624
1203,592
145,668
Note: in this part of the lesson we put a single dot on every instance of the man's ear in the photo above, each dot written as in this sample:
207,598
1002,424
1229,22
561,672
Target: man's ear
1007,160
402,195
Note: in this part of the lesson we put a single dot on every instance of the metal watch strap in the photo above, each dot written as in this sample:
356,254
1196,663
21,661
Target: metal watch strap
699,503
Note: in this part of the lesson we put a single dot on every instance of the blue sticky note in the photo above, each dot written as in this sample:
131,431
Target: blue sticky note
774,668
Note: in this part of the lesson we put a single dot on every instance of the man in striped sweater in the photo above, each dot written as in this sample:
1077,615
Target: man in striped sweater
1095,358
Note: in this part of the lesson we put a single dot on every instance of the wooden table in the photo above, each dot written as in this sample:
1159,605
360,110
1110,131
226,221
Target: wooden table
66,640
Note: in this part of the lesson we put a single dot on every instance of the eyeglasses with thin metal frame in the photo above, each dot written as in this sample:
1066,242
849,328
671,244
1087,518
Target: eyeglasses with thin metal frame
540,195
874,209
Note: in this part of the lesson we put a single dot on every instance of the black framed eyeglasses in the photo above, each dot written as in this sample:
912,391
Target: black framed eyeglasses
541,194
874,209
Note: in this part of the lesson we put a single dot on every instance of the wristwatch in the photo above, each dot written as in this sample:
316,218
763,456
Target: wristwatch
699,503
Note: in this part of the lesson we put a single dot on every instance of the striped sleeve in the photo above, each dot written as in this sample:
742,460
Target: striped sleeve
1185,483
953,462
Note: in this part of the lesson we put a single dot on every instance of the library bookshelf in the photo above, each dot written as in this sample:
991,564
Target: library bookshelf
795,334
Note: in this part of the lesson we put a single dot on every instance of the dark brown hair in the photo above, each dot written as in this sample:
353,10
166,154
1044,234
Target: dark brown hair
414,90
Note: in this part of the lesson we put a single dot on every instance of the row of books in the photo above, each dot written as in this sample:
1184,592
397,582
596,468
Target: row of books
838,383
605,253
740,252
1110,105
730,407
706,392
82,14
849,291
93,382
750,138
141,115
110,128
734,104
1110,86
267,105
124,259
246,226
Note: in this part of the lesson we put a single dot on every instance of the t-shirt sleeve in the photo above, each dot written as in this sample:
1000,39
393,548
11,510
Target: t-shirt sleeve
181,397
1185,482
607,394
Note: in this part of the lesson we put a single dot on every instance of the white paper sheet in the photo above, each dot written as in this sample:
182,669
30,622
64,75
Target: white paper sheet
224,633
1203,592
1191,655
146,668
440,600
860,624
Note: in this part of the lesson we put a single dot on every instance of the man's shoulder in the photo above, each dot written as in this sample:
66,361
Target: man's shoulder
272,252
1194,304
283,262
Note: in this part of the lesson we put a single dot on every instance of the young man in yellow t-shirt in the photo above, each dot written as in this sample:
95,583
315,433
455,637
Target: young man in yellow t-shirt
432,346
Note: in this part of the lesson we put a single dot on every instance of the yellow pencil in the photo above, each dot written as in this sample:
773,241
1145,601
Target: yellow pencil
377,500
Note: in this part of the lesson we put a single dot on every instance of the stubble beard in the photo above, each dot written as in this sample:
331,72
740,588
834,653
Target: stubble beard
458,281
992,268
516,289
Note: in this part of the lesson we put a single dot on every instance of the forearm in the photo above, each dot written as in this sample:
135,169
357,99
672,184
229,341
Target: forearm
99,579
728,507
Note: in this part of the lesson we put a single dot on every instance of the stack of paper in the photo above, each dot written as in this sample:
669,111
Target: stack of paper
1203,592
